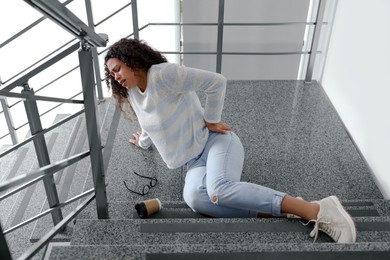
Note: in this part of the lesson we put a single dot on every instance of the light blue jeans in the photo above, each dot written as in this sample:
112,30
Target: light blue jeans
213,187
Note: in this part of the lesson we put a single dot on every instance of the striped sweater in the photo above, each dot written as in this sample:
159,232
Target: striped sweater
170,113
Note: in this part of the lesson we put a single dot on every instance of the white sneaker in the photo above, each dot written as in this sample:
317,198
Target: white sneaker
335,221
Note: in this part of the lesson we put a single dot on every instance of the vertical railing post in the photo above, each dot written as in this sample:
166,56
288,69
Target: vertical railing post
8,119
42,153
315,40
134,11
221,11
4,249
95,147
95,56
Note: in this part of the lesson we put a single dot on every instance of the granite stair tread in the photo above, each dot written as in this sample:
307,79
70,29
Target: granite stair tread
179,209
214,231
379,250
294,142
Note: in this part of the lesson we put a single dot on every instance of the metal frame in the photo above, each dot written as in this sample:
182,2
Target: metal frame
134,12
315,40
88,6
44,213
8,119
221,13
43,171
46,238
57,12
97,166
44,131
20,81
62,16
27,28
4,250
41,152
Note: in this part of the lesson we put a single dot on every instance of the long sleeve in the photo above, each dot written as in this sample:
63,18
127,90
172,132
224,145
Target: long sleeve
144,140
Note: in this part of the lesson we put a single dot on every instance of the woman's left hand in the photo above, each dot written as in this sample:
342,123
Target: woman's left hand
219,127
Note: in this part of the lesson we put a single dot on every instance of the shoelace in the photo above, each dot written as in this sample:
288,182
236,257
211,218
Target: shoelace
325,228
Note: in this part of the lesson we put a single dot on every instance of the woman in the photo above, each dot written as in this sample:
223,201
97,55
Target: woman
162,97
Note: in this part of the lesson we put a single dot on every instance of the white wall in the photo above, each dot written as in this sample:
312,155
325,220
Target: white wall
355,78
246,38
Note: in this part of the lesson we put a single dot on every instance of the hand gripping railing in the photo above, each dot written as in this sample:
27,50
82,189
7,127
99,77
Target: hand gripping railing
89,39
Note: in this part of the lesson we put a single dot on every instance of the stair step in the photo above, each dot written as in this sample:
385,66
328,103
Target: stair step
213,231
179,209
250,251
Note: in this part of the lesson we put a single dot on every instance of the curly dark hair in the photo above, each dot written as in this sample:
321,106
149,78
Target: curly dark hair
137,55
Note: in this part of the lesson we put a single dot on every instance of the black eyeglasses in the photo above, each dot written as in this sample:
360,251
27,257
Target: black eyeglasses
147,187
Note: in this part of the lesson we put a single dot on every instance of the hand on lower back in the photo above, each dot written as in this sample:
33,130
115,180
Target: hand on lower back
219,127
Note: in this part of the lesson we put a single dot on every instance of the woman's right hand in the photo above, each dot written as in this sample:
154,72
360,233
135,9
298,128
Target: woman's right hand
135,141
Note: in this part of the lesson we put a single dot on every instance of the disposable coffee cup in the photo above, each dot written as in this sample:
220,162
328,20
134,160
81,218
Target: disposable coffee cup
147,208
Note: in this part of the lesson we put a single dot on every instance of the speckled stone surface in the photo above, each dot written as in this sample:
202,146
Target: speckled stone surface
177,209
294,142
139,252
126,158
293,139
208,231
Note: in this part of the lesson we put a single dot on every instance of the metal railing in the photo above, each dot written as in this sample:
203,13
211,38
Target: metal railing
88,40
88,59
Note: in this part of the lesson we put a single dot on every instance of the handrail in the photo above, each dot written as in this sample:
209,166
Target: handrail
176,24
49,110
44,113
111,15
61,205
22,80
62,16
315,40
9,120
237,24
46,238
57,12
240,53
42,98
44,171
48,84
31,138
229,24
37,62
27,28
